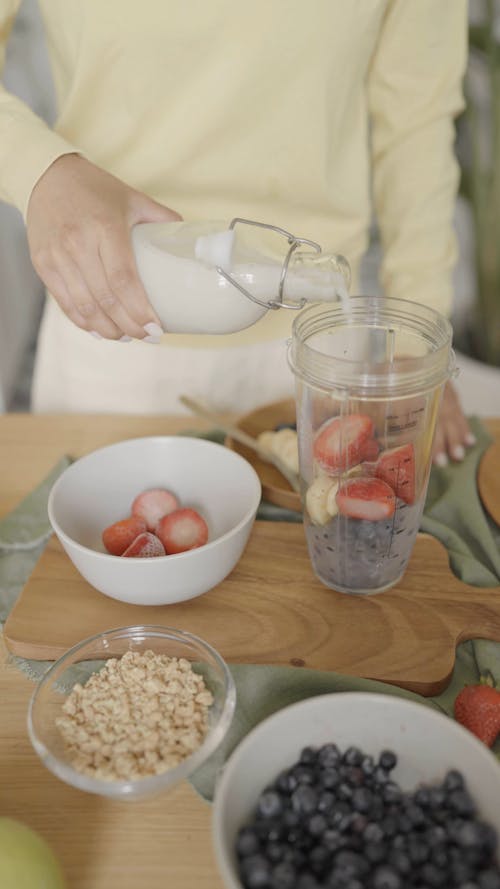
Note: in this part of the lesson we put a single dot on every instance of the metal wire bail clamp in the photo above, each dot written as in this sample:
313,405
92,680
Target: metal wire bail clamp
294,243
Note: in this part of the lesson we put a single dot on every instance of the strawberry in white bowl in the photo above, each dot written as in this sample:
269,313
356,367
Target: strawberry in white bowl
126,482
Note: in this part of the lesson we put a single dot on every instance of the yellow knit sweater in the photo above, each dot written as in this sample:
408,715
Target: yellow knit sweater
305,115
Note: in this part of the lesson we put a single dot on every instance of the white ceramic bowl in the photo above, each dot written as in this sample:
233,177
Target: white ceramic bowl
427,743
81,661
99,489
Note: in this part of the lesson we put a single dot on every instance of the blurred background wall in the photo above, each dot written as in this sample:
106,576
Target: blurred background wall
476,312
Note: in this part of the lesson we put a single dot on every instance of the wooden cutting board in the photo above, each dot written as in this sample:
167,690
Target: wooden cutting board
488,480
272,610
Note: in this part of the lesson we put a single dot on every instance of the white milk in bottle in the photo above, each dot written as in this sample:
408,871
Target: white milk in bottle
193,272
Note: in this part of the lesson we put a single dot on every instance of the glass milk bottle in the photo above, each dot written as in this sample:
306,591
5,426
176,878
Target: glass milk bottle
369,379
216,278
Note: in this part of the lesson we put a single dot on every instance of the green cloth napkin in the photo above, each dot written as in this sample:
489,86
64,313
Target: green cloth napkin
453,513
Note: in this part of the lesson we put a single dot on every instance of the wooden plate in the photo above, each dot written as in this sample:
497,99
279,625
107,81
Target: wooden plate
275,488
488,480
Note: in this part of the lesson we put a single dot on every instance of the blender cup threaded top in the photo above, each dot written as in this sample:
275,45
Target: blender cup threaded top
369,378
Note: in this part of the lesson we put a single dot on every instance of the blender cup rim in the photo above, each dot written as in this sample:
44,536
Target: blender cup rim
402,376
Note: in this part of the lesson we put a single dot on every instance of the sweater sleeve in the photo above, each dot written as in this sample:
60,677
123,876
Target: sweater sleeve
27,145
414,94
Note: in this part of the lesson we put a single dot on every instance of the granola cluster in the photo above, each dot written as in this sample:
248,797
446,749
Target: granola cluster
138,716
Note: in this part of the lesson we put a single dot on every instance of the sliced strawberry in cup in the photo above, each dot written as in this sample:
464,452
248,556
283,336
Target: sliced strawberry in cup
366,498
340,443
145,546
397,467
120,535
370,450
182,530
153,504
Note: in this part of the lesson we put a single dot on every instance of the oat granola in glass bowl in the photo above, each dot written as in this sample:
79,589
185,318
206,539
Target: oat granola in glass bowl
132,711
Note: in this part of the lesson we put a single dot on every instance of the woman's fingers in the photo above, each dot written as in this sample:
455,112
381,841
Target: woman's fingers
64,281
124,284
453,433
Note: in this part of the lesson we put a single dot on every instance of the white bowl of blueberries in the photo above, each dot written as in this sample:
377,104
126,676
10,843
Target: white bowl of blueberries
359,791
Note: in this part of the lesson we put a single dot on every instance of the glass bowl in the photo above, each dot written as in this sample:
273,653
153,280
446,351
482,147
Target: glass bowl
87,657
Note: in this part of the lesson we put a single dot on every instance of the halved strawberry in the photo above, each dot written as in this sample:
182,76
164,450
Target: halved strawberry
153,504
366,498
181,530
145,546
370,449
120,535
397,467
339,443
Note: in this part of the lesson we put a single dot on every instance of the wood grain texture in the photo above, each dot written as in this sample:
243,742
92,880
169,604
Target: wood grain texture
488,480
275,488
156,843
272,610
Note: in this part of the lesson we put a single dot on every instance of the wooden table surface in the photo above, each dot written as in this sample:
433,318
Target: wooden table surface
162,842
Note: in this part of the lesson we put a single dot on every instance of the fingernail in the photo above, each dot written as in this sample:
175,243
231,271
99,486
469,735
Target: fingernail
153,329
470,439
458,452
152,339
96,334
125,339
441,460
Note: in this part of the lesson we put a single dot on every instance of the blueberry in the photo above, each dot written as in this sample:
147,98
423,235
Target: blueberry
400,861
489,879
349,866
353,756
330,778
308,755
344,791
326,801
433,876
362,799
255,872
436,835
461,802
415,814
307,881
453,780
373,833
317,825
387,760
274,852
270,804
332,839
375,852
304,799
319,859
305,774
386,877
391,792
247,842
418,851
422,797
328,755
283,876
367,765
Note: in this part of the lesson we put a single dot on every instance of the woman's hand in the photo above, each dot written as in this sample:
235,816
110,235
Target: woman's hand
78,223
453,433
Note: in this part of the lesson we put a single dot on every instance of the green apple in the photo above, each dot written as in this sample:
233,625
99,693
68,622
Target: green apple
26,861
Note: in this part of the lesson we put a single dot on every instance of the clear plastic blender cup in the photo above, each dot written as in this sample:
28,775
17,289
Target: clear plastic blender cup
369,378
